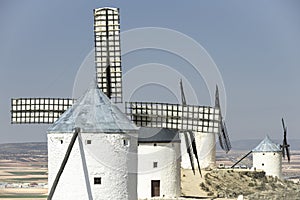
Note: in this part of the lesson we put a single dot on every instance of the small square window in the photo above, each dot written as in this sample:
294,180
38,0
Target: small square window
89,142
262,164
97,180
61,141
155,144
155,164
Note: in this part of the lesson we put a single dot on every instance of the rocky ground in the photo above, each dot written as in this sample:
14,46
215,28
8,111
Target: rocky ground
250,184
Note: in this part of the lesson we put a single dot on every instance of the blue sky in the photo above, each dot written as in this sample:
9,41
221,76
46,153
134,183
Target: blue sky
255,45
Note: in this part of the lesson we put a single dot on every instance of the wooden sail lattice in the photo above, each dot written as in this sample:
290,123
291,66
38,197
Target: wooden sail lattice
174,116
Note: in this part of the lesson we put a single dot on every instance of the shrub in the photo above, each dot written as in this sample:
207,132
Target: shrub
210,194
251,184
203,186
208,182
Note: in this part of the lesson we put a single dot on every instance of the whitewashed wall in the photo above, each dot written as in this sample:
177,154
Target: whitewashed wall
270,162
167,155
105,157
206,147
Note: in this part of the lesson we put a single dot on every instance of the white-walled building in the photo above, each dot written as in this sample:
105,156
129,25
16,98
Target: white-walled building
206,148
158,163
267,156
103,161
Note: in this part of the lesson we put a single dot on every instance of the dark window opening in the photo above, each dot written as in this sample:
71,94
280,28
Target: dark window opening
97,180
155,164
263,164
61,141
126,142
89,142
155,144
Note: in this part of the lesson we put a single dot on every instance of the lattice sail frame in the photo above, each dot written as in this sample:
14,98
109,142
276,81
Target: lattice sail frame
175,116
38,110
108,52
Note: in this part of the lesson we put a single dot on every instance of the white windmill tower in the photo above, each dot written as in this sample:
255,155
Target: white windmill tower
267,156
101,159
158,163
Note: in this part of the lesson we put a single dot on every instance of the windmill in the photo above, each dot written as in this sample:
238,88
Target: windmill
183,117
108,78
285,146
267,146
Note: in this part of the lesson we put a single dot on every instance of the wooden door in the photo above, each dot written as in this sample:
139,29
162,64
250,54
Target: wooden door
155,188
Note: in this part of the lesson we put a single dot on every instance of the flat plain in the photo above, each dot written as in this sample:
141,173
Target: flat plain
23,171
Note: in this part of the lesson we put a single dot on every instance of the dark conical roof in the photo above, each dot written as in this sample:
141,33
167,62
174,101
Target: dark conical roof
93,113
157,135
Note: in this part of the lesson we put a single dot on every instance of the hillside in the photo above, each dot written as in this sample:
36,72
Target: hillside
229,184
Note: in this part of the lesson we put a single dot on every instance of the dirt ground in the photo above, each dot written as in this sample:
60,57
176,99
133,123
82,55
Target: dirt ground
190,185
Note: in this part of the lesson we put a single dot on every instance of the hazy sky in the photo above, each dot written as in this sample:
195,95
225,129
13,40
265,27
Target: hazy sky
255,45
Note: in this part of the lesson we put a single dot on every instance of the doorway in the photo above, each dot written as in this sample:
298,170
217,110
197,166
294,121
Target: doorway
155,188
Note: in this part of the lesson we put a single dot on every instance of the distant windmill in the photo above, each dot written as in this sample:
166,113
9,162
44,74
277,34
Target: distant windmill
181,117
266,147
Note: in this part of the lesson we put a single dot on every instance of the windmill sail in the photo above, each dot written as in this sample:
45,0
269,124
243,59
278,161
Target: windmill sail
108,52
192,137
189,150
217,98
183,100
38,110
223,136
285,146
191,134
225,142
164,115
